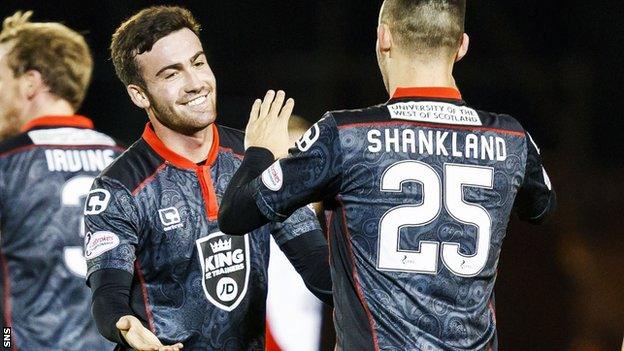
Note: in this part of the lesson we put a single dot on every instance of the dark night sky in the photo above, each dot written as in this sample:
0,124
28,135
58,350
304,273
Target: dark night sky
555,66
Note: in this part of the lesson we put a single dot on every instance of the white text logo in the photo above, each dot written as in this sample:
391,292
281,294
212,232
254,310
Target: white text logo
170,218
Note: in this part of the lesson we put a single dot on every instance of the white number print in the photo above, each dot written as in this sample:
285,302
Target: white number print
71,195
390,257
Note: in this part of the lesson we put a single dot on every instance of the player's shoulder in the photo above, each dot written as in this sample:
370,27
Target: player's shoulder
134,166
359,115
231,139
15,144
53,137
500,122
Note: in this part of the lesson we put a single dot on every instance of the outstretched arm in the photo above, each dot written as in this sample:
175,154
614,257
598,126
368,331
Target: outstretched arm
111,219
311,172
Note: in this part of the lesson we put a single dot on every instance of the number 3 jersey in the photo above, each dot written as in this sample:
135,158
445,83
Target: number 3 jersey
153,214
45,174
420,190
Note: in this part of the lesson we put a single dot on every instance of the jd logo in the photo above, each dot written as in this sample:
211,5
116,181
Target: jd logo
227,289
97,201
224,261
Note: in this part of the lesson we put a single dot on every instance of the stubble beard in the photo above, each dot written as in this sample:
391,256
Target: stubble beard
168,117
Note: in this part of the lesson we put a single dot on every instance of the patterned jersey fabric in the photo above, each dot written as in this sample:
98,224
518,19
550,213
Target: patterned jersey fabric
419,192
45,175
153,214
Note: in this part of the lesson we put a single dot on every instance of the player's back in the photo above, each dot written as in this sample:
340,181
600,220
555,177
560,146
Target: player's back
428,185
45,174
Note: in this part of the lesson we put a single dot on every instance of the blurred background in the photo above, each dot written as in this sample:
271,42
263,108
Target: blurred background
556,66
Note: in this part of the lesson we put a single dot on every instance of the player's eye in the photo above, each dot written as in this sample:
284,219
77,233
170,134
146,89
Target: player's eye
171,75
199,63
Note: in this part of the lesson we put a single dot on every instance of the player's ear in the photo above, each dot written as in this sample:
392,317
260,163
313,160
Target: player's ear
463,47
138,96
31,83
384,38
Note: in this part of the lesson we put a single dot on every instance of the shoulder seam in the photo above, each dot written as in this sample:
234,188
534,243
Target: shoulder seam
231,128
147,180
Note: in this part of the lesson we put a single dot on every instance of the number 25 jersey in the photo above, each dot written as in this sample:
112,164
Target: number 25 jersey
420,190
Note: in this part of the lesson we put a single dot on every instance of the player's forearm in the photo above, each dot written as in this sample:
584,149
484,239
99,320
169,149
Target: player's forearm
238,201
309,254
111,301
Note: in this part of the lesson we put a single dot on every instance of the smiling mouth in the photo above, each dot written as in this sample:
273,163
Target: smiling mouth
196,101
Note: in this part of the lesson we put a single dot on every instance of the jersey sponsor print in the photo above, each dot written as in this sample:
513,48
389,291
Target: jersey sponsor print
420,190
154,214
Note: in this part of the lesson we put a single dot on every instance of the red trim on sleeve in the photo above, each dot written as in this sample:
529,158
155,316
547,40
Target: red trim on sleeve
230,150
430,92
6,297
149,178
58,121
148,308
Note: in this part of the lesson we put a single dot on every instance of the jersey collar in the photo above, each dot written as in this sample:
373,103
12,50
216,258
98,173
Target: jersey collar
427,92
180,161
58,121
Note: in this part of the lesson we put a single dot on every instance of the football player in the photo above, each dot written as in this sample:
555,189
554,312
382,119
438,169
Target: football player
46,170
421,186
163,275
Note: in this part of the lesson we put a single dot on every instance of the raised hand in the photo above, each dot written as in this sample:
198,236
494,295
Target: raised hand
268,123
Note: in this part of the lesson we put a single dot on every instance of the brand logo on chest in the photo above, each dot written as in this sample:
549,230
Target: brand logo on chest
170,218
225,268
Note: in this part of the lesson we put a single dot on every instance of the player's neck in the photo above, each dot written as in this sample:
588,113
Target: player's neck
405,72
193,147
48,105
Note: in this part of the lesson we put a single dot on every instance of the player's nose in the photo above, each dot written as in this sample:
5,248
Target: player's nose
193,83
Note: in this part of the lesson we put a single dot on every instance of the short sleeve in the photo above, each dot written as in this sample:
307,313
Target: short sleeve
536,199
111,221
311,172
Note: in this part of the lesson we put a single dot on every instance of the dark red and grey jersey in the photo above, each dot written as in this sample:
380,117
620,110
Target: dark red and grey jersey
45,175
153,214
420,190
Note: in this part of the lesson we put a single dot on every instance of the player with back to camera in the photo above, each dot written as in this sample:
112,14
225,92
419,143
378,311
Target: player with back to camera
47,166
163,275
421,188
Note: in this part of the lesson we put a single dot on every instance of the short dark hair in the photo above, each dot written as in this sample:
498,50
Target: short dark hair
139,33
59,53
426,26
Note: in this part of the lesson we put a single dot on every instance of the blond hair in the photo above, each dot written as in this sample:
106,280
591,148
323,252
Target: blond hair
60,54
